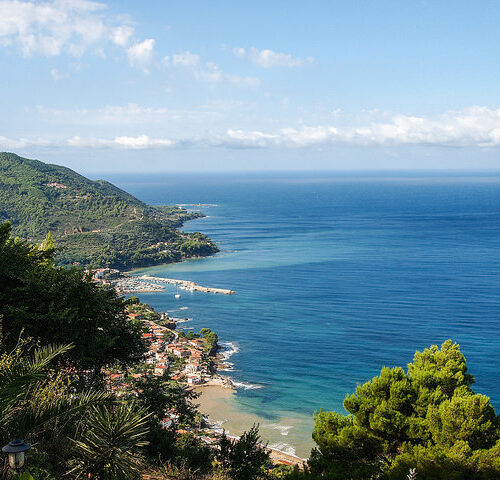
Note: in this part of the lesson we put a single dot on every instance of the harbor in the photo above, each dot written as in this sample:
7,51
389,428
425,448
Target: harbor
125,283
186,285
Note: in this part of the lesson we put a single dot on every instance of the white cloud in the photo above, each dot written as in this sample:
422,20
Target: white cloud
71,27
186,59
140,54
142,141
268,58
130,116
14,144
210,72
213,74
130,110
121,35
239,52
240,138
476,127
78,141
471,127
54,27
139,142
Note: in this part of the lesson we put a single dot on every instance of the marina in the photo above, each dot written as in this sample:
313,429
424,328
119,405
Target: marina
125,284
186,285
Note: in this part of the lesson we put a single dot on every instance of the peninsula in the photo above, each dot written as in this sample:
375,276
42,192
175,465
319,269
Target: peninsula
93,223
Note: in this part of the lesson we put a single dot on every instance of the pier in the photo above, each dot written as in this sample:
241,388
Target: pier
186,284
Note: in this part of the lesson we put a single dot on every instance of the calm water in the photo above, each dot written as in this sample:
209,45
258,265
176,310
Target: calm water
338,276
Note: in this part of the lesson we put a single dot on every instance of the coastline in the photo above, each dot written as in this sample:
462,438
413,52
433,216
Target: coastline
219,403
275,315
222,400
217,400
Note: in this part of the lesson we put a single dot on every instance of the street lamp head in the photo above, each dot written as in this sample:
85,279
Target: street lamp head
15,449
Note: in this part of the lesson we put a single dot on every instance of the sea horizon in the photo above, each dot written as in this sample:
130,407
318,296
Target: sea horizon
355,174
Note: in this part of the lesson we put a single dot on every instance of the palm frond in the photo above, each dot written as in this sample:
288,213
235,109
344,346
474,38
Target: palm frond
39,416
108,448
19,373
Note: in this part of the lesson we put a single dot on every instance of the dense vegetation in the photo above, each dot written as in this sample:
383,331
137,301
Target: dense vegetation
426,418
93,222
59,305
142,310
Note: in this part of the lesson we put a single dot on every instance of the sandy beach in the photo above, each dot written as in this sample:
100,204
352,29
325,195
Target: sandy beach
284,434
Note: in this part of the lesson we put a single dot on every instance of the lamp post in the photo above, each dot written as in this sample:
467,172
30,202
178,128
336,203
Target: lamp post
15,449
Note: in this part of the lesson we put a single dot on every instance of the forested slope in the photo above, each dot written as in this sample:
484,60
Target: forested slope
93,222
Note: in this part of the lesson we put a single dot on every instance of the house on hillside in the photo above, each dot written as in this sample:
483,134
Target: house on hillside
160,370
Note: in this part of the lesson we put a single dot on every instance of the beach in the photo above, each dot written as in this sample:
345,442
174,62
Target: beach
284,434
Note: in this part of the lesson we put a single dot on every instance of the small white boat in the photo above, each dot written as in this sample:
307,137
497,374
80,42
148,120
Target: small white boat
177,295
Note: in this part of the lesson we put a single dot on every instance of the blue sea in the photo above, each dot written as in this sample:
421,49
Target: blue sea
337,275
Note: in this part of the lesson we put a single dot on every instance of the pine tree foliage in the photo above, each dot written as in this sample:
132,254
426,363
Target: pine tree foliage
427,418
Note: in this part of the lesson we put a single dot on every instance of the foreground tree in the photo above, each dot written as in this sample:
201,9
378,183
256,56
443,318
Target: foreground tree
109,447
159,394
36,401
192,455
244,458
428,418
56,305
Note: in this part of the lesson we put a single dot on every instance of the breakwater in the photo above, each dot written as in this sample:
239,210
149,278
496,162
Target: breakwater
186,284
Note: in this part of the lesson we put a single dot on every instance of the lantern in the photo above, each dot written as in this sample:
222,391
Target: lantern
15,449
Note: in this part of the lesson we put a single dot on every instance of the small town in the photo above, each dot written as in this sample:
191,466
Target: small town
188,358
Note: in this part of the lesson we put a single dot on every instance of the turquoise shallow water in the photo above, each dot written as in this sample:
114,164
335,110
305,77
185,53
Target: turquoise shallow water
338,276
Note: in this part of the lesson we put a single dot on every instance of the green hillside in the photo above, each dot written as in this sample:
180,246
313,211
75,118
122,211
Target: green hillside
93,222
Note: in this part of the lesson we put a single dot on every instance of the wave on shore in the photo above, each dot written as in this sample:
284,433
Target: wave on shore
285,448
283,429
180,309
227,350
244,385
282,447
181,320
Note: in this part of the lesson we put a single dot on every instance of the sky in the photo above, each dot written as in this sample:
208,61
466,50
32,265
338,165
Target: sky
163,85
